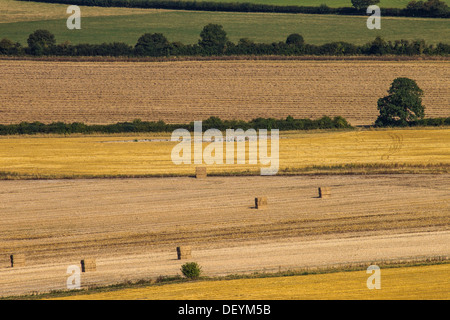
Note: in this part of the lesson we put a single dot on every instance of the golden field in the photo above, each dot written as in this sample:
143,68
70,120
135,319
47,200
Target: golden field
423,282
394,150
184,91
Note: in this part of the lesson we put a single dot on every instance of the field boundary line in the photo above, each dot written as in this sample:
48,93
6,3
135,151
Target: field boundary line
225,58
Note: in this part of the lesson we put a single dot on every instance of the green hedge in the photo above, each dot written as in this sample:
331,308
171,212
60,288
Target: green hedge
211,123
160,126
377,47
427,122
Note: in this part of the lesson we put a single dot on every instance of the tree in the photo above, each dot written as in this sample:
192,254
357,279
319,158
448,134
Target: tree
414,6
191,270
8,47
430,8
152,44
403,104
213,39
323,8
40,42
295,39
435,8
363,4
378,46
246,46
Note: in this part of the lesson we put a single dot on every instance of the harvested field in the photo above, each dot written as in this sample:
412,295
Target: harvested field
181,92
370,151
133,226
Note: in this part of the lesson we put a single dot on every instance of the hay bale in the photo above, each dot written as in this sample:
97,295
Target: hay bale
184,252
17,260
200,172
260,202
324,192
88,265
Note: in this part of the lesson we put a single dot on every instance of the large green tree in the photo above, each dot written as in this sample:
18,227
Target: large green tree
295,39
213,39
403,104
40,42
152,44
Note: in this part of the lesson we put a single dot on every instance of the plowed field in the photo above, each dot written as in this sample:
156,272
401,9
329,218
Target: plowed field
181,92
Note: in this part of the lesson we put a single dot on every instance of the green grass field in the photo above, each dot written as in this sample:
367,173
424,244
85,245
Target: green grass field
18,19
185,26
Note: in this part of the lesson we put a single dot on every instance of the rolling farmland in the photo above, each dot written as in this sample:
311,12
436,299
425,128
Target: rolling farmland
132,226
178,92
119,198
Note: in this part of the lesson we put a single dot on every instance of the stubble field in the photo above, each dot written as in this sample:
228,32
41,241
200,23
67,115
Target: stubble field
132,226
180,92
146,155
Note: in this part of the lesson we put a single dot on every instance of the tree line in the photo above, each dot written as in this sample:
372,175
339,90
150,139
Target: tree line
140,126
214,42
429,8
160,126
